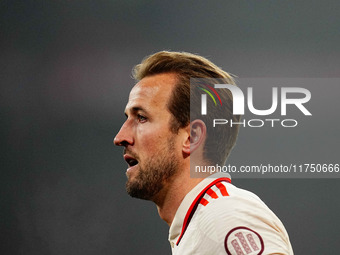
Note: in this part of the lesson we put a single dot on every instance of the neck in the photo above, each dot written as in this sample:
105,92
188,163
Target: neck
170,197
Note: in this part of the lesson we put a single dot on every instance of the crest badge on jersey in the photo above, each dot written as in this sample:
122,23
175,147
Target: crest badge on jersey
243,241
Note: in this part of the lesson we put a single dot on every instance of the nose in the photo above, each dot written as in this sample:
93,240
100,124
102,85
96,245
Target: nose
124,137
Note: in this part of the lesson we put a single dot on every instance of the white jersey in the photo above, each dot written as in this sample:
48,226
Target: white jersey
218,218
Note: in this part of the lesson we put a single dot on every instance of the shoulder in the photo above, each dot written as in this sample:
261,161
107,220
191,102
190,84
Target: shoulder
225,199
239,207
235,216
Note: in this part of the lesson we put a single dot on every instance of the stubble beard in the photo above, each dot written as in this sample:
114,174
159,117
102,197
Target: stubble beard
153,174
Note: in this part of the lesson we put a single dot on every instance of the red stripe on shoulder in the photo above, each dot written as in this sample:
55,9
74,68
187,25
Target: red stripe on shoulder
212,193
204,201
222,188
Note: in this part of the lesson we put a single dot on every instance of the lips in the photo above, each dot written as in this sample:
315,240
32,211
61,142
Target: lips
131,161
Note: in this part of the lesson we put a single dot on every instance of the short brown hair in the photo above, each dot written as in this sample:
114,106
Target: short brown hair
186,66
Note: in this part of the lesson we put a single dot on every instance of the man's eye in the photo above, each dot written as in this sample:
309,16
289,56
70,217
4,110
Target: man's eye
141,118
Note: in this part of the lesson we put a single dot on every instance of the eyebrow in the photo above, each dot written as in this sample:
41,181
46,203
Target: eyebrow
136,109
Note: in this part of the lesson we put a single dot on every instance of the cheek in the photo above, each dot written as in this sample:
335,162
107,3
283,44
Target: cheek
149,142
152,138
149,134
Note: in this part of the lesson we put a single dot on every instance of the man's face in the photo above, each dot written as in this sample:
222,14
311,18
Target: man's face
151,150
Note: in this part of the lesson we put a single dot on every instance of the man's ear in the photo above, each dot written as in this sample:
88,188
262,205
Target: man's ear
198,132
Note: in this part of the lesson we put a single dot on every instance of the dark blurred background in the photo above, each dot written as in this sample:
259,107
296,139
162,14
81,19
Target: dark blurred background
65,69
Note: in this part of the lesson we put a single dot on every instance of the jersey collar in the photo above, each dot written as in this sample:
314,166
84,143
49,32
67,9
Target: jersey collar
180,221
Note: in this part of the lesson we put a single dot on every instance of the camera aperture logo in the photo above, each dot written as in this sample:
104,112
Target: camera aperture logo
239,105
204,98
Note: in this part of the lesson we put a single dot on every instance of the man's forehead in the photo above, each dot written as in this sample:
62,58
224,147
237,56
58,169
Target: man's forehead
145,89
155,90
157,86
163,81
